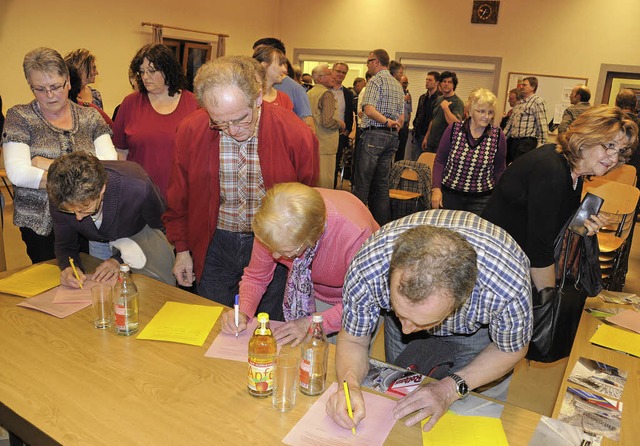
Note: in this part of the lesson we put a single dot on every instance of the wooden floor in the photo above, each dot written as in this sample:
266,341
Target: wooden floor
534,386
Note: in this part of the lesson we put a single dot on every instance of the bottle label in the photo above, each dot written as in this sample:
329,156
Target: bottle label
120,316
305,373
260,375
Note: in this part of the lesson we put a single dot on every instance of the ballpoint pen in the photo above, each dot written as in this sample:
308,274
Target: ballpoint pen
349,408
75,271
236,312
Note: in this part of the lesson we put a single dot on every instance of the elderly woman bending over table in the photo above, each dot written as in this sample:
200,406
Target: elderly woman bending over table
315,233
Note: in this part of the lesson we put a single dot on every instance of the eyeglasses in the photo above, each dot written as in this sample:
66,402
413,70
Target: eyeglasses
238,123
612,151
292,254
150,72
88,210
484,112
370,60
52,89
344,73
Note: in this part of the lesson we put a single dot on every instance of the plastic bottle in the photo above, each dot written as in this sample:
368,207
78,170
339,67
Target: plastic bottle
125,303
315,356
262,356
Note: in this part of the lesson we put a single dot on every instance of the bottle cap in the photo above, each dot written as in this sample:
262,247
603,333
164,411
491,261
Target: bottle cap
316,318
263,317
124,268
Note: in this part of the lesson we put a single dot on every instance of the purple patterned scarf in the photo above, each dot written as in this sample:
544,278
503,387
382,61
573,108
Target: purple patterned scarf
299,298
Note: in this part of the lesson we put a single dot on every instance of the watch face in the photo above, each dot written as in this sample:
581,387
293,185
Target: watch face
463,388
485,11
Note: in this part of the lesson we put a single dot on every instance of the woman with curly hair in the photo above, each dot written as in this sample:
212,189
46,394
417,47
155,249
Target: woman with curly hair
147,120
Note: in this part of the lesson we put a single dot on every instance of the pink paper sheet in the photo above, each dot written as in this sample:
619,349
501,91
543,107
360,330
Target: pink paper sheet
68,295
227,346
44,302
629,319
316,428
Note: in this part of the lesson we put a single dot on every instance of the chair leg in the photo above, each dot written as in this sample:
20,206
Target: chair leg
9,188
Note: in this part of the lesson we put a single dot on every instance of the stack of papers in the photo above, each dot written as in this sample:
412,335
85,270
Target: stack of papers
31,281
461,430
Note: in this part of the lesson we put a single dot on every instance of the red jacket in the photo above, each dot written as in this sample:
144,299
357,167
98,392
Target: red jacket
288,151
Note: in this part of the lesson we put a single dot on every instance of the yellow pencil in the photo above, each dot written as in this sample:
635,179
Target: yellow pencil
349,409
75,271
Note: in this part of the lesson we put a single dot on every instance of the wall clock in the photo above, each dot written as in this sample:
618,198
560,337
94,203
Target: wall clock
485,11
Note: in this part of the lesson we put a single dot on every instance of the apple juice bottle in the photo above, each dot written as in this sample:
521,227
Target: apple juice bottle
262,356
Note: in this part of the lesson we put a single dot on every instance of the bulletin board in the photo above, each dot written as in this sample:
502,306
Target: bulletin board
555,91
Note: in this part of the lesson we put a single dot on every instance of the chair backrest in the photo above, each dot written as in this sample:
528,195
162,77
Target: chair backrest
624,173
409,174
427,158
619,198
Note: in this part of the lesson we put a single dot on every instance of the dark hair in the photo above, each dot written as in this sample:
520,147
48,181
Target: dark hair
435,75
358,80
290,71
82,60
517,92
75,83
584,93
533,81
432,260
382,56
161,58
75,178
627,100
450,74
270,41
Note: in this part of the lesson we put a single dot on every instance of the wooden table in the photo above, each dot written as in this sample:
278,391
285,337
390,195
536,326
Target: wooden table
63,381
583,348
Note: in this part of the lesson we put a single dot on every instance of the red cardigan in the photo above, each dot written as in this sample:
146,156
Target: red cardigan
288,151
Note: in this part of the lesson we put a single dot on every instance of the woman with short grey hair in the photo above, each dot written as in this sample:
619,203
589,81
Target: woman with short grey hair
37,133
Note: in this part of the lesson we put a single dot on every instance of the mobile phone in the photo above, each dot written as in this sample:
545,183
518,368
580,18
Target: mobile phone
590,205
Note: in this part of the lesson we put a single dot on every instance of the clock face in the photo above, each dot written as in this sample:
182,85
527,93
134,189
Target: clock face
485,11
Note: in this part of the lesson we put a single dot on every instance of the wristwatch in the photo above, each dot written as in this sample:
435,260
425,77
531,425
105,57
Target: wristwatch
461,386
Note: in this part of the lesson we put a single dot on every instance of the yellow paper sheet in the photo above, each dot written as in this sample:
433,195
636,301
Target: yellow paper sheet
31,281
182,323
617,339
460,430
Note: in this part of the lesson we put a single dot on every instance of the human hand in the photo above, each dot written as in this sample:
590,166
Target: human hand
183,269
292,331
106,271
424,143
431,400
229,322
68,278
445,104
597,222
336,407
436,198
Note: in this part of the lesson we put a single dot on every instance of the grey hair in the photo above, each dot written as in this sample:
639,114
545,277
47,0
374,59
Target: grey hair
244,73
45,60
315,73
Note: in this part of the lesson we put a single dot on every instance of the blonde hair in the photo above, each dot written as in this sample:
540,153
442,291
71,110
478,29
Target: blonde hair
598,125
290,214
481,96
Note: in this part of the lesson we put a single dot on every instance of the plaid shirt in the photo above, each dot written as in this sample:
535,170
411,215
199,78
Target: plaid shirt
241,183
501,298
528,120
385,93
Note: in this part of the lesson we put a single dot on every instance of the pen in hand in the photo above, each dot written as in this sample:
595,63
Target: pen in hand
236,312
349,408
75,271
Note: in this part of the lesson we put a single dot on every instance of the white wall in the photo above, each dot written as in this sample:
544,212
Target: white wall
551,37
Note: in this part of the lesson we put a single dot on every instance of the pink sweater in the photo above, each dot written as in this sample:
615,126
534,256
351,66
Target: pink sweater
349,224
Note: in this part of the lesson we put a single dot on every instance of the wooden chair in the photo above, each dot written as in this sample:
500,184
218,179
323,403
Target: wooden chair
399,194
620,202
428,158
5,180
624,173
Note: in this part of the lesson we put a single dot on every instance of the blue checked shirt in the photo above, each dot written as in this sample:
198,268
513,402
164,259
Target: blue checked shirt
500,300
385,93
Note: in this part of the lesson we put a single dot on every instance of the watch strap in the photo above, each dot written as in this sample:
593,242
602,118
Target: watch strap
462,388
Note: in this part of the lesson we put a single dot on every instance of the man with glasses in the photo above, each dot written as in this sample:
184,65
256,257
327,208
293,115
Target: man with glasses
113,201
383,105
328,124
227,155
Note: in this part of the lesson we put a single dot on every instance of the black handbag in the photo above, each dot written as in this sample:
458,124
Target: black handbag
557,311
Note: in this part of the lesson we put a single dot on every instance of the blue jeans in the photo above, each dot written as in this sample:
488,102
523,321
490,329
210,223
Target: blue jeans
228,254
372,168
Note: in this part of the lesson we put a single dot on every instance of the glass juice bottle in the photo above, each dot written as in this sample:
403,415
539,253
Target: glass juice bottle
315,356
262,356
125,303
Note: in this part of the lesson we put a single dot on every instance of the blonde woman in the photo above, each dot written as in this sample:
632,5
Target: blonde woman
470,159
315,233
